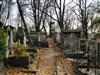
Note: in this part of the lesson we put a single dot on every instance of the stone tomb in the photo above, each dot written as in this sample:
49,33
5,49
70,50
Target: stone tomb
71,39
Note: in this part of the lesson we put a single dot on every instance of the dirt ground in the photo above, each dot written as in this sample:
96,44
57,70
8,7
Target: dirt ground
49,61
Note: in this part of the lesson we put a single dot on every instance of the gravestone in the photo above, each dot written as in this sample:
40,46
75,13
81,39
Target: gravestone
37,37
20,34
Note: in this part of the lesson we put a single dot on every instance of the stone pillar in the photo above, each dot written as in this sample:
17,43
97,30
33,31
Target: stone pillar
7,44
39,38
7,39
58,37
11,38
19,41
24,40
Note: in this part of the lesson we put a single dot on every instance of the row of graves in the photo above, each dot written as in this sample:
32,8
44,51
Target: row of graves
84,52
39,39
17,51
73,42
74,45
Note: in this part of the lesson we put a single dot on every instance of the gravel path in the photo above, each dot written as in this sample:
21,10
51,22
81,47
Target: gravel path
52,62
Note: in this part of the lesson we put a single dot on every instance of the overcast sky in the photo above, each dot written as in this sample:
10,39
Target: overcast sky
15,11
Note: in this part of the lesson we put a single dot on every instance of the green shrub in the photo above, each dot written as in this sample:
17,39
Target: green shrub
20,50
2,44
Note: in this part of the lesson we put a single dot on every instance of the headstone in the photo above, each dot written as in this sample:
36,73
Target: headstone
25,40
20,34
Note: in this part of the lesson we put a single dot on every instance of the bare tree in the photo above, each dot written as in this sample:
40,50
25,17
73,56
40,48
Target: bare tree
5,9
35,11
84,14
61,9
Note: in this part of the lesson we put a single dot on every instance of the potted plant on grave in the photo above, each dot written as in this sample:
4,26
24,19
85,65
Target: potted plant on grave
19,56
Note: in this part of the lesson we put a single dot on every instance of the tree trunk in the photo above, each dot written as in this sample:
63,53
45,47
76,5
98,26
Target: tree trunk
50,25
62,36
44,29
26,30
